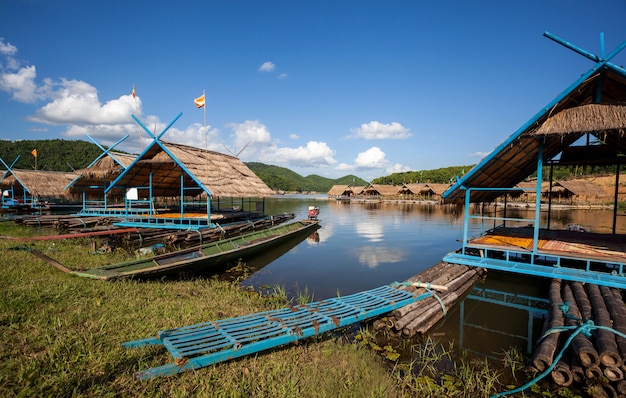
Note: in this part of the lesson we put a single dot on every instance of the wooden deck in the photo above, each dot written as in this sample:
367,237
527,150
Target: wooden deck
584,245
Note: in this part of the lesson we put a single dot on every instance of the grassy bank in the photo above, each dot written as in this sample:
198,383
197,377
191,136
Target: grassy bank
61,336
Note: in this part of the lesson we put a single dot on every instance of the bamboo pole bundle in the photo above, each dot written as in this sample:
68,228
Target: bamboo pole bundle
418,317
605,340
581,345
618,316
544,353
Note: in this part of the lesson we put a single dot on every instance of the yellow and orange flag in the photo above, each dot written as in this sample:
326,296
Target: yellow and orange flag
34,152
199,101
133,93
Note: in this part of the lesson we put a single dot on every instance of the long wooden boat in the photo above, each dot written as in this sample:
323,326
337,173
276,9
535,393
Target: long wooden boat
206,257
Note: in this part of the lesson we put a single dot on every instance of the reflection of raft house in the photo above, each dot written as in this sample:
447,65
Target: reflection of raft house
584,125
201,185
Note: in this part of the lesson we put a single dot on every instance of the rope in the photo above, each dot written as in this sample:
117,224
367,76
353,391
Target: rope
584,328
427,286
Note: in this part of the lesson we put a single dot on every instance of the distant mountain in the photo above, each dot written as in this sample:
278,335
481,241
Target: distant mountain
283,179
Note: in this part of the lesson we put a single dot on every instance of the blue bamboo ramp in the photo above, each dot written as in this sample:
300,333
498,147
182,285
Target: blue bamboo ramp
204,344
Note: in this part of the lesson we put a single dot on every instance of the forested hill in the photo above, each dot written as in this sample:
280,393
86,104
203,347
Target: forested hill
283,179
52,155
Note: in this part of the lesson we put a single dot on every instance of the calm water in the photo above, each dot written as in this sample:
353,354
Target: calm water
361,246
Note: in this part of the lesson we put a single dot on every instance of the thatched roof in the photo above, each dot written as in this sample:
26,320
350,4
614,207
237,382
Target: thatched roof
102,172
357,189
37,182
581,188
384,190
579,110
591,118
438,189
337,190
222,175
414,189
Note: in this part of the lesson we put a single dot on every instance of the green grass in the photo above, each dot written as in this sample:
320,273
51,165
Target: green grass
61,335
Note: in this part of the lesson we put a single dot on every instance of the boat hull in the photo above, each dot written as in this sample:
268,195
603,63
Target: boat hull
209,257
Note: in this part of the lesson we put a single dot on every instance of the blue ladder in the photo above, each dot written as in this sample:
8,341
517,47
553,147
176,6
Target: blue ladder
204,344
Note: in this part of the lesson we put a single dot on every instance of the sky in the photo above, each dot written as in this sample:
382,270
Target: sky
320,87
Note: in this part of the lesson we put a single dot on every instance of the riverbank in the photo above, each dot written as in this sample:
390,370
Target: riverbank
62,335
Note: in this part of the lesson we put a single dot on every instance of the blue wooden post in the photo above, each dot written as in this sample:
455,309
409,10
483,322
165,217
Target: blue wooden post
538,197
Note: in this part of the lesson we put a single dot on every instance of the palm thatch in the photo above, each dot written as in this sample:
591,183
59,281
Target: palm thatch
586,119
438,189
38,183
171,167
339,190
411,189
578,188
100,173
380,190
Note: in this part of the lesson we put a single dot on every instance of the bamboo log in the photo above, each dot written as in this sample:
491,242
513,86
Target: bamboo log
618,317
605,340
613,373
593,372
584,306
581,345
561,374
544,352
621,387
434,315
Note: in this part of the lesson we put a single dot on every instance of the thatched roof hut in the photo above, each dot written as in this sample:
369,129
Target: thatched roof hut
380,190
579,188
438,189
38,184
591,107
411,189
339,190
94,179
171,168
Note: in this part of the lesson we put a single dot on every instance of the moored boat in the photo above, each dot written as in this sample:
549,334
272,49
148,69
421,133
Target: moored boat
207,257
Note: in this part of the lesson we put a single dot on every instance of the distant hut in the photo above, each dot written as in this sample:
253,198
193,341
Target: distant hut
376,190
411,190
436,190
37,187
338,191
578,191
188,177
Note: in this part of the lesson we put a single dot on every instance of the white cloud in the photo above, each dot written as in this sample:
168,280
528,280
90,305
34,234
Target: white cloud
267,67
397,168
293,136
479,154
373,158
282,76
18,81
379,131
77,102
315,153
7,48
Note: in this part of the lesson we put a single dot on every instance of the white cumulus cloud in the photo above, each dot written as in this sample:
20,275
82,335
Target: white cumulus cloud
380,131
267,67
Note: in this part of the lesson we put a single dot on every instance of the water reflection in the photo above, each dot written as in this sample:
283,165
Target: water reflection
374,256
370,230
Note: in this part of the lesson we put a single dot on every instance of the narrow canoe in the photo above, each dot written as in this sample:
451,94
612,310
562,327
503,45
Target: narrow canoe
205,257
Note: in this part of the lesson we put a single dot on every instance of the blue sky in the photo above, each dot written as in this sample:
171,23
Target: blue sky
320,87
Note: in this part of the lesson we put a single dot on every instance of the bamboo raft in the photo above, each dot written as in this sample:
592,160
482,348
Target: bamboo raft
204,344
587,359
453,281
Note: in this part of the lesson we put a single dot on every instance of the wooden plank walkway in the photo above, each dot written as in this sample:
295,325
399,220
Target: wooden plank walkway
204,344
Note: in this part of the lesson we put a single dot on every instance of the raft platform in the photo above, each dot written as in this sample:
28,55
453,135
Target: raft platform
205,344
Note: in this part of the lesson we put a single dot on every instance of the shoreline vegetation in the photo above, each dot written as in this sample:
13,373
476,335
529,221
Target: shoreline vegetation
62,335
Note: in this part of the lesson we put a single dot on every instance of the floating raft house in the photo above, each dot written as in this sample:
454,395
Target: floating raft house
198,181
584,125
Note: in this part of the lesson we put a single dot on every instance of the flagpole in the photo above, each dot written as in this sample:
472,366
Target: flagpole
138,115
206,139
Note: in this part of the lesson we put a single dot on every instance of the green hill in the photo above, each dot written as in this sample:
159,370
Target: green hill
283,179
52,155
436,176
